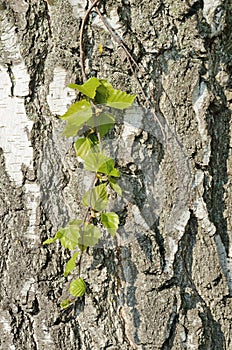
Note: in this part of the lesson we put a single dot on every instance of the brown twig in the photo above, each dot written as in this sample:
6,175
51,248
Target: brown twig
83,23
132,63
130,58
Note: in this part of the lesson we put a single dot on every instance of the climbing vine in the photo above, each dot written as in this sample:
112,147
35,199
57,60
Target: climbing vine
89,120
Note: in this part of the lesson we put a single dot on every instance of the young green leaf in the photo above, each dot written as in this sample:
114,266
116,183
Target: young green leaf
77,287
65,303
104,122
90,236
99,198
76,116
50,240
114,172
58,235
110,221
107,167
115,186
103,92
83,146
106,94
71,264
120,99
70,234
88,88
100,163
94,161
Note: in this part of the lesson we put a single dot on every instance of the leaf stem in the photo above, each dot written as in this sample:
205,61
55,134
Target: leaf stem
84,220
96,125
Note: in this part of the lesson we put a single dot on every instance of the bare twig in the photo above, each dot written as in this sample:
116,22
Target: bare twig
116,38
83,23
133,65
130,58
131,61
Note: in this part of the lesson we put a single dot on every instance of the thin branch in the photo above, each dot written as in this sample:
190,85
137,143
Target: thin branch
116,38
83,23
132,63
130,58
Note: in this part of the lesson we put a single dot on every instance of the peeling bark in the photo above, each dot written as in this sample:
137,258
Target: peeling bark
166,283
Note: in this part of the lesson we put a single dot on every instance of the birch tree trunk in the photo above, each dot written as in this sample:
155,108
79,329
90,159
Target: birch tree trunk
166,281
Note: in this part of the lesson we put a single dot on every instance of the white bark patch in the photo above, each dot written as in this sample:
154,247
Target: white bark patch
139,219
209,8
198,178
14,124
201,100
201,213
28,286
225,263
113,22
15,127
172,242
60,96
46,339
32,203
213,15
6,324
113,19
9,42
78,8
6,328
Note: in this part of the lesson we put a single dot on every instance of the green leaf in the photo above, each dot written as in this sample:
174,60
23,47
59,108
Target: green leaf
100,163
70,234
103,92
73,86
76,116
94,161
88,88
115,172
104,122
120,99
107,167
99,198
106,94
115,186
77,287
83,146
50,240
58,235
90,236
71,264
65,303
110,221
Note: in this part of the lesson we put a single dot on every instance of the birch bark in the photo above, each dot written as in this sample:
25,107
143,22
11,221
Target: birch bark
167,282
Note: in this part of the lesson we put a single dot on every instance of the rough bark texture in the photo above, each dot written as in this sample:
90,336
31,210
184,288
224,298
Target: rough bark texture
167,282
